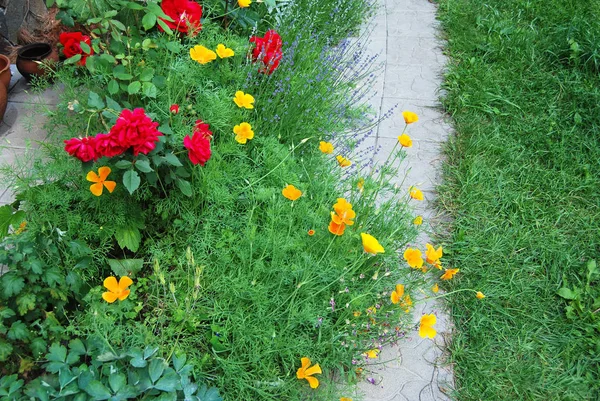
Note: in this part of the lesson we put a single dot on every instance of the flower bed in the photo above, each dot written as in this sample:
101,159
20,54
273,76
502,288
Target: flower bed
206,229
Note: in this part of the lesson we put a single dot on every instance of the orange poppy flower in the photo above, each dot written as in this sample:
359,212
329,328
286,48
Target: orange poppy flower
432,255
410,117
416,194
405,140
342,161
100,181
449,273
335,228
326,147
397,294
480,295
371,245
413,258
116,290
435,288
306,372
311,232
343,212
291,192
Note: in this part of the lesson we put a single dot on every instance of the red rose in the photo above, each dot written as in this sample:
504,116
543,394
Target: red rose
82,148
203,129
268,50
72,45
107,145
174,109
185,13
198,147
135,128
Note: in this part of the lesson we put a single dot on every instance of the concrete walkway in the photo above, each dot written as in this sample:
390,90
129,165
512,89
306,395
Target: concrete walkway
405,33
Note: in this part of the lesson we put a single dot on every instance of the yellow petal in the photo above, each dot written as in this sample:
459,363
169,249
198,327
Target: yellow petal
92,177
394,297
110,185
313,370
103,172
313,381
480,295
110,283
109,297
96,188
427,332
435,288
125,282
123,295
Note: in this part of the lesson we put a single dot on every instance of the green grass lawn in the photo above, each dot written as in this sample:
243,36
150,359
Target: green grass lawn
522,184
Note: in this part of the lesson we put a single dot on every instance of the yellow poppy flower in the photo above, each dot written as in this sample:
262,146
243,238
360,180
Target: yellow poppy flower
306,372
416,194
406,303
116,290
426,329
243,133
410,117
432,255
224,52
202,54
413,258
345,399
343,212
435,288
480,295
397,294
291,192
244,100
244,3
418,220
449,273
357,313
326,147
370,244
100,181
405,140
372,354
342,161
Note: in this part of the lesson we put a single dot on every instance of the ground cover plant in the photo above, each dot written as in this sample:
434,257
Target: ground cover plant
523,191
197,225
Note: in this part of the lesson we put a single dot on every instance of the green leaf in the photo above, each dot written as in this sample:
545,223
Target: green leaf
25,303
156,369
5,350
157,10
134,87
97,390
179,361
169,382
147,74
134,6
109,58
111,104
113,87
149,89
208,394
36,266
85,47
125,267
65,18
165,129
566,293
143,166
76,346
53,276
164,26
117,381
173,160
120,26
12,284
149,351
65,377
149,21
38,347
6,313
174,47
185,187
131,180
57,353
73,60
123,164
18,331
128,237
95,101
8,218
121,73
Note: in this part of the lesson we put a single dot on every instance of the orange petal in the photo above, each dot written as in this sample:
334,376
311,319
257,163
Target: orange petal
305,363
313,381
109,297
96,188
110,185
123,295
313,370
111,284
103,172
394,297
92,177
125,282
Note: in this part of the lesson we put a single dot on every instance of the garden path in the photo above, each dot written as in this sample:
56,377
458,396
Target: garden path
405,33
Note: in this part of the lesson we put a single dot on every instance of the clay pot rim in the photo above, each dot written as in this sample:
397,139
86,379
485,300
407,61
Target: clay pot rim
32,46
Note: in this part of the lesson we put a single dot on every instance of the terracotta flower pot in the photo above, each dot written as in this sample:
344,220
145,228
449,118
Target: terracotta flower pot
3,100
29,57
5,73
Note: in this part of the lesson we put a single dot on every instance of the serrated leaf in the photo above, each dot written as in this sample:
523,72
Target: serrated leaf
149,21
185,187
143,166
5,350
125,267
18,331
131,181
566,293
56,353
53,276
95,101
173,160
128,237
97,390
36,266
147,74
65,18
25,303
113,87
149,89
134,87
38,346
12,284
6,313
